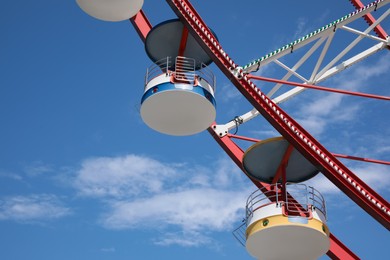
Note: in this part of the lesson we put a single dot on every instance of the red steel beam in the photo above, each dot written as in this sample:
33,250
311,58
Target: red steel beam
183,41
361,159
337,249
347,92
333,169
141,24
283,165
243,138
370,20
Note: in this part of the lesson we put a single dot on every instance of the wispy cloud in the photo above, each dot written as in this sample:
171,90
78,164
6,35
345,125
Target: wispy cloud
122,176
37,168
186,239
302,28
264,133
376,176
10,175
229,93
383,149
33,208
191,210
322,109
143,193
108,249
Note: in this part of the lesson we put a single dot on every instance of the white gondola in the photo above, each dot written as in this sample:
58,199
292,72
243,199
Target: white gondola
280,228
111,10
177,99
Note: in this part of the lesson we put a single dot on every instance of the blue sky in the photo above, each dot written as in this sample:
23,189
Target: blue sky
82,177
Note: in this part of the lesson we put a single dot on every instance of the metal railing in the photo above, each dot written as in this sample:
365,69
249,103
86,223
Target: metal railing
205,73
317,200
183,69
159,67
298,198
262,197
240,233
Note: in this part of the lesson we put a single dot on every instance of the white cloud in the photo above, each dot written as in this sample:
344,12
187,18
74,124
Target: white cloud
37,168
302,29
375,175
383,149
143,193
191,210
108,249
186,203
185,239
313,124
122,176
265,133
316,114
132,176
361,74
9,175
229,93
33,208
227,175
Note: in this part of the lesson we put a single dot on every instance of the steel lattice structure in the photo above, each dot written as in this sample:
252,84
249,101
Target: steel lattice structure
267,106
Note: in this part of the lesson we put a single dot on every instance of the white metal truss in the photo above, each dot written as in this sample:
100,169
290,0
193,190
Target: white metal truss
321,37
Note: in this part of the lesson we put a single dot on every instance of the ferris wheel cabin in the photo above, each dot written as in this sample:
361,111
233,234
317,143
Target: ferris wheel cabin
179,89
279,227
284,218
178,100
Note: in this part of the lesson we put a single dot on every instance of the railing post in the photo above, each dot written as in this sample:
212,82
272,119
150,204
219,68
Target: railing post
146,77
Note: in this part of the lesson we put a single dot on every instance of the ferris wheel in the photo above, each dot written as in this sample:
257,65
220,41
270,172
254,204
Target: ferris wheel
283,209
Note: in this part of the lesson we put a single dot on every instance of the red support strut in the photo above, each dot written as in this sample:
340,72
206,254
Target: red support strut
141,24
183,41
281,172
347,92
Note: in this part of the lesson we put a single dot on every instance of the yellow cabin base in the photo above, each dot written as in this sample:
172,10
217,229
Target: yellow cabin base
281,237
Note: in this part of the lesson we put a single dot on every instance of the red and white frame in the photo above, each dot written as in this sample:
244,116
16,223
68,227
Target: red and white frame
296,135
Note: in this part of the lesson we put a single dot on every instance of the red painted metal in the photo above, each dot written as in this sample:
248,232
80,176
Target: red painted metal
370,20
333,169
361,159
243,138
281,172
183,41
347,92
337,249
141,24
